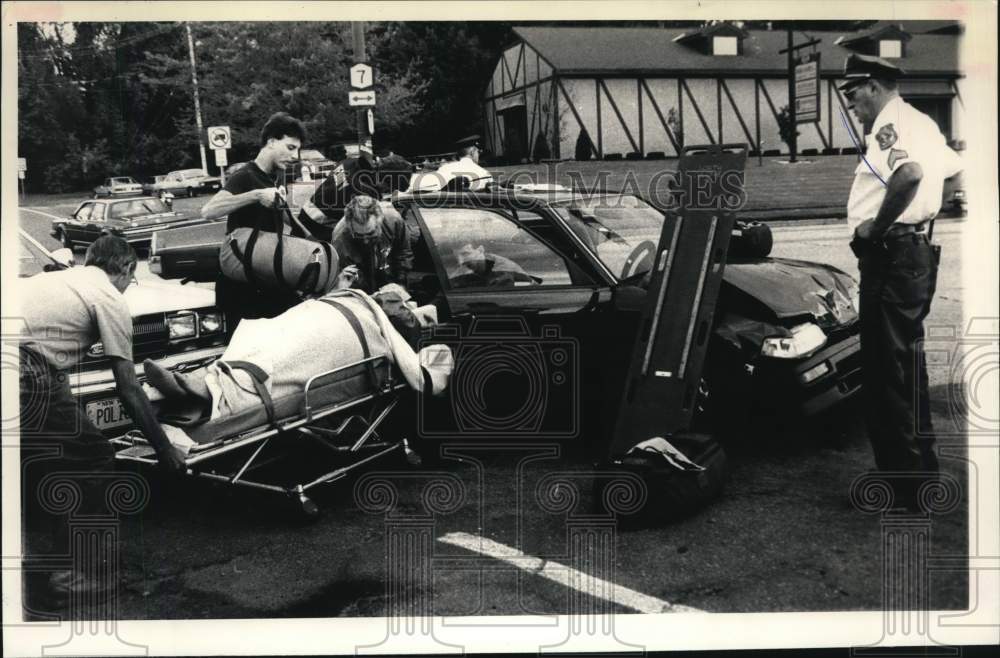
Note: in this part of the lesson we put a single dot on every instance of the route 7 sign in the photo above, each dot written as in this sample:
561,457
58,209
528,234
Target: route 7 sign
219,137
361,76
361,98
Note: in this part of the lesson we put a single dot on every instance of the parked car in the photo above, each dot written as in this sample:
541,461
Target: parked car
118,186
179,326
953,199
134,219
785,332
184,182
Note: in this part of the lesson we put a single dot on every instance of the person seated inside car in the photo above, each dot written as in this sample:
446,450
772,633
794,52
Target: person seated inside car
476,268
281,354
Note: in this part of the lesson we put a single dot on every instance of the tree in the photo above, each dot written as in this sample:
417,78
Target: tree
785,126
583,149
541,151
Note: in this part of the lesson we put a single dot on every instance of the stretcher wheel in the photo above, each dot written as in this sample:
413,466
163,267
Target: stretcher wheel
307,509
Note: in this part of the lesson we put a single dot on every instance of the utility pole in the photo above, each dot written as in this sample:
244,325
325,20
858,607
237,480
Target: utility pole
358,44
197,102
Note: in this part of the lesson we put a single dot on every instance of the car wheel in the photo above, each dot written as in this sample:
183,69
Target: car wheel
64,239
190,192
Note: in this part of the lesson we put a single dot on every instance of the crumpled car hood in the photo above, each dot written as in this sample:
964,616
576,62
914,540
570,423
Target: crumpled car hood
791,288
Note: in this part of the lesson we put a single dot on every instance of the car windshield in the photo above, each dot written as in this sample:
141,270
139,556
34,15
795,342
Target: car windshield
138,207
614,227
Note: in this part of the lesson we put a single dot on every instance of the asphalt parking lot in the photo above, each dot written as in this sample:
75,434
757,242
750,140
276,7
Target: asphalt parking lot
783,537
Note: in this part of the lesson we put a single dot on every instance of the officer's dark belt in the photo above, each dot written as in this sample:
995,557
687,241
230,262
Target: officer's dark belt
900,230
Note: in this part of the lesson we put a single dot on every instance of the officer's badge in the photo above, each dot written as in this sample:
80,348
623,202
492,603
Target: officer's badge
886,136
895,155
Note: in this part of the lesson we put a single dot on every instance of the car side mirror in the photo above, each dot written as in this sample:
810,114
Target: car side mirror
629,298
64,257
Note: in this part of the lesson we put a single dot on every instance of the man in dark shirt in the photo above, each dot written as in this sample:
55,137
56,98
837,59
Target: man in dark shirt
249,198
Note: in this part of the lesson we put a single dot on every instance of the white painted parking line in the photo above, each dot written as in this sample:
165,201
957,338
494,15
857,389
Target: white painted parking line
564,575
42,212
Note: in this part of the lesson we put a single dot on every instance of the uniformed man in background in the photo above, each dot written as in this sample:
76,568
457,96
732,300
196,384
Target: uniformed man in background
462,173
895,196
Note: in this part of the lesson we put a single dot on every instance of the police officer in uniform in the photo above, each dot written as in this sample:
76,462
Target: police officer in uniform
462,173
895,196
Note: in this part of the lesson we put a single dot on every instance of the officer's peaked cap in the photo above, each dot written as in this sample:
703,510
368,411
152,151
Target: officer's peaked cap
471,140
859,69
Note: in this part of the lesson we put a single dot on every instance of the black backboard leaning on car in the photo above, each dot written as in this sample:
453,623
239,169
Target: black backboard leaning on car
134,219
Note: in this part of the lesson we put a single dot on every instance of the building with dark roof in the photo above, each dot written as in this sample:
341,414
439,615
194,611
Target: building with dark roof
557,90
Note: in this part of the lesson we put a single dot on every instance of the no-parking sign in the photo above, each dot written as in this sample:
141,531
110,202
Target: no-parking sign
219,138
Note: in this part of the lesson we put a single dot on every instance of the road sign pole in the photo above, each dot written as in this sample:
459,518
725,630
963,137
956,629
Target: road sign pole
793,141
361,116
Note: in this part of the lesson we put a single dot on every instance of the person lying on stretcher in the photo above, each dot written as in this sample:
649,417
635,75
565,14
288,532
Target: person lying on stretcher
313,337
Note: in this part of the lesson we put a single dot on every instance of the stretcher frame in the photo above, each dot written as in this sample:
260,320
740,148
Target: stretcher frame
369,447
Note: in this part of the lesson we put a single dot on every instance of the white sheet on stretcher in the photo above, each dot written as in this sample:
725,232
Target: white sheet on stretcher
290,359
178,438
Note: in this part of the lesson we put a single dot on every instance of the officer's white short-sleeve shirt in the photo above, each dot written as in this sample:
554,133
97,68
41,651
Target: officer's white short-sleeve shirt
432,181
901,134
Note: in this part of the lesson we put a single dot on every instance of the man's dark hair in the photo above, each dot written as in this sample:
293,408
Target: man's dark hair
112,254
282,124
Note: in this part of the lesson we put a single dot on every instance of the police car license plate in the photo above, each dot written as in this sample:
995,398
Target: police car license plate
107,414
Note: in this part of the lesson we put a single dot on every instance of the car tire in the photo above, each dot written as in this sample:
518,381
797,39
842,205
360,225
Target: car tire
190,192
64,239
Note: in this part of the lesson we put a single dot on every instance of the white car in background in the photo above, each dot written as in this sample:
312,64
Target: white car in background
118,186
183,182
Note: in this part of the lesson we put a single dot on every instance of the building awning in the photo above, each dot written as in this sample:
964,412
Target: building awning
913,88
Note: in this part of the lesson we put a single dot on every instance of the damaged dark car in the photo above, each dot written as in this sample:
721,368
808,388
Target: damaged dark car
785,334
546,272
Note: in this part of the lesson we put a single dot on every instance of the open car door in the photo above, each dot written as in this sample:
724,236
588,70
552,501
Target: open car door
661,386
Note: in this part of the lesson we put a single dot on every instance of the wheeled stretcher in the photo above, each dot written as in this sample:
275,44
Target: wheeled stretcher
339,412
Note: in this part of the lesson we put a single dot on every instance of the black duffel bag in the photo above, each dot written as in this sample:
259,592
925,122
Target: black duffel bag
275,261
680,476
750,240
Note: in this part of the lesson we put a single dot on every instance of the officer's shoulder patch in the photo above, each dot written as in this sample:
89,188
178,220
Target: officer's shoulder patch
886,136
895,155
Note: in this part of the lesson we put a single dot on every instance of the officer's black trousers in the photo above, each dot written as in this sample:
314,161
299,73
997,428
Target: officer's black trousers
897,285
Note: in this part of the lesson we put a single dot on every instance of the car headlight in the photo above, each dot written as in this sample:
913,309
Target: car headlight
210,323
182,325
804,339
